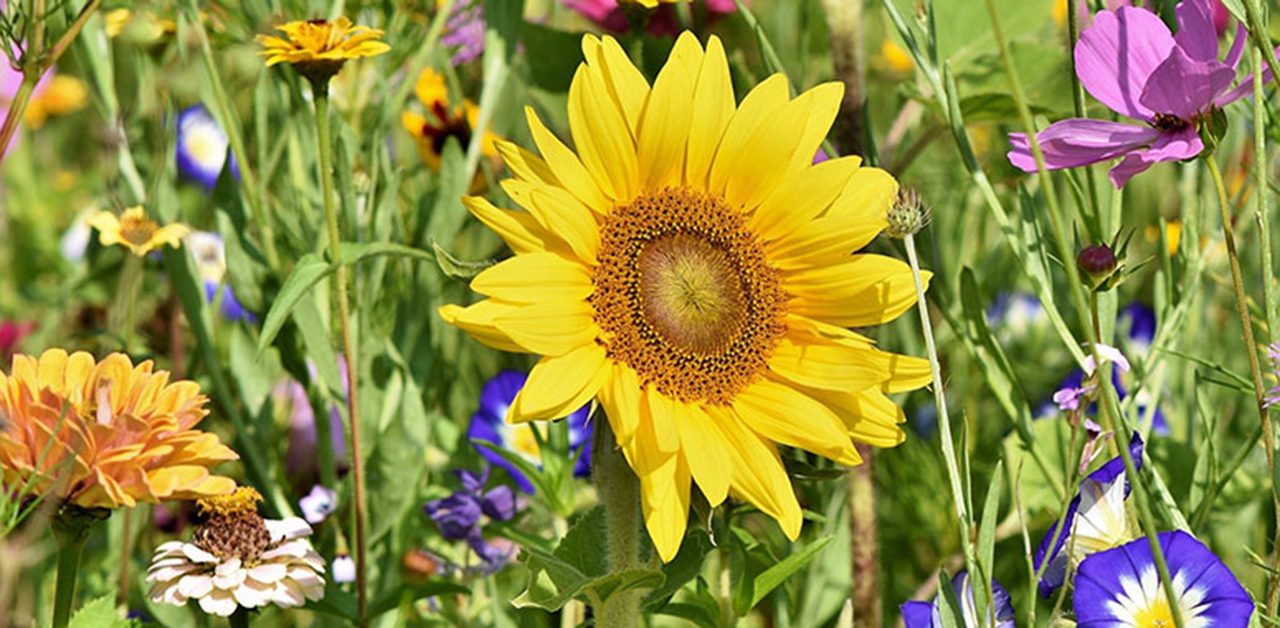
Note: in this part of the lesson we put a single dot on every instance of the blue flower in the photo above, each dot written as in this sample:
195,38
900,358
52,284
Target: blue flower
1120,587
1099,507
489,424
202,147
1016,312
455,515
929,615
211,262
458,516
1138,323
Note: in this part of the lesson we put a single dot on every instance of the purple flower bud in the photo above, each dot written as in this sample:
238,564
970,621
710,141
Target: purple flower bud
1097,260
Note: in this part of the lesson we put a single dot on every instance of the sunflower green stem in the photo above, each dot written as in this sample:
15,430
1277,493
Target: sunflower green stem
1251,350
320,89
620,491
71,527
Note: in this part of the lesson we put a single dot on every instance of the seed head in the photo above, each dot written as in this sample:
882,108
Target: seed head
908,215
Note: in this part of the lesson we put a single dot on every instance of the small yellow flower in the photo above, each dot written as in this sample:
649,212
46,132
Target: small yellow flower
105,434
1172,233
650,4
458,122
893,58
318,48
63,95
135,231
143,27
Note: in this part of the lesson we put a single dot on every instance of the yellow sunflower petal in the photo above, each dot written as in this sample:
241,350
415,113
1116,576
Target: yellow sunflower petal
797,202
629,88
760,107
826,365
853,220
758,474
712,109
704,451
524,164
601,135
534,278
550,329
666,512
520,230
664,130
621,398
559,213
869,416
781,413
754,178
558,386
477,321
866,290
659,409
826,104
568,169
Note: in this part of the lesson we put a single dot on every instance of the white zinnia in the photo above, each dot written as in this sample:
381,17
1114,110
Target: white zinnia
286,573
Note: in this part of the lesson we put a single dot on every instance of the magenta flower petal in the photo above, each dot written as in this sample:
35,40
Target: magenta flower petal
1184,87
1196,34
1116,55
1078,142
1175,145
1245,87
1237,47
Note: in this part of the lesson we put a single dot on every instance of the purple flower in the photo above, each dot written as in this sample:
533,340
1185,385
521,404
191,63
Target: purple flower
318,504
489,424
1273,395
1120,587
458,516
465,31
1130,62
929,615
1099,507
455,515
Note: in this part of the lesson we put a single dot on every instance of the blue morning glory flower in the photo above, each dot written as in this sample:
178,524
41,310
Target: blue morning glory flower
1095,518
489,424
1016,312
211,262
929,615
1138,322
202,147
1120,587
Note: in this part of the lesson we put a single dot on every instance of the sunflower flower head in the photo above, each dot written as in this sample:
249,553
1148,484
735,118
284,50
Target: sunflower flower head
135,231
701,294
116,434
317,49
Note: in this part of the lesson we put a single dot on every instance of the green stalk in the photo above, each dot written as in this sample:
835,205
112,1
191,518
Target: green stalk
240,618
620,491
1077,96
944,419
71,527
320,89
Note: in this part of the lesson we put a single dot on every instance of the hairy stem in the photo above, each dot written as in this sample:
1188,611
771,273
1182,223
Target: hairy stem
620,491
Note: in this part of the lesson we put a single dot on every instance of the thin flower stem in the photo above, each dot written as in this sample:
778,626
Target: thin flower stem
71,527
940,400
1077,94
620,491
321,92
1251,350
1258,34
226,111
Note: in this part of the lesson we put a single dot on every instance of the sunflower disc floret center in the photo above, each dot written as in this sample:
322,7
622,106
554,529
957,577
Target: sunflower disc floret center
686,296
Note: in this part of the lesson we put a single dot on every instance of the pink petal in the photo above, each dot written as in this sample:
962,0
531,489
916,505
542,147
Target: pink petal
1174,146
1237,46
1184,87
1079,141
1117,54
1246,85
1196,34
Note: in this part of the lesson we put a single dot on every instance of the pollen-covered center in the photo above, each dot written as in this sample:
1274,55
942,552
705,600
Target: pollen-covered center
686,297
137,230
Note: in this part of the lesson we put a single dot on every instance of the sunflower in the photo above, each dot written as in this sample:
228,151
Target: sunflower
105,434
458,122
136,232
318,48
691,269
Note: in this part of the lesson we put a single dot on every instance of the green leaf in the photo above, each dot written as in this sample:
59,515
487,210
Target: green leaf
690,612
950,610
987,538
455,268
311,268
682,569
535,475
336,603
559,54
777,574
392,598
100,613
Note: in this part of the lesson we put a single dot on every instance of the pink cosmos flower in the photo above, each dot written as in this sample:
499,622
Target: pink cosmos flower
1130,62
607,15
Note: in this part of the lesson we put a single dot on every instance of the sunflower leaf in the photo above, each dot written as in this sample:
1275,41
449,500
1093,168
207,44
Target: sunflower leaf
769,579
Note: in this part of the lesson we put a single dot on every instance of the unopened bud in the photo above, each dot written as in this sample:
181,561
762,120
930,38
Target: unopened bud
908,215
1099,265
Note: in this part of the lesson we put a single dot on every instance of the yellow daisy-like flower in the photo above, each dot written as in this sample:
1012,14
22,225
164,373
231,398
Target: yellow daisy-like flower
691,269
63,95
457,122
115,434
318,48
134,231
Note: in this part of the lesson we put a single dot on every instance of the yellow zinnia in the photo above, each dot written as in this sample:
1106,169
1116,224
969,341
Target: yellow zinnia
318,48
134,231
457,122
691,268
115,434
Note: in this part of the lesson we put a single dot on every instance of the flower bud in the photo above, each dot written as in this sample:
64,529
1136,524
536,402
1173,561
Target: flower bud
908,215
1098,262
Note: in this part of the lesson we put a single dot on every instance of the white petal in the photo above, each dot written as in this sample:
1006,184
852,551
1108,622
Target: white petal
305,577
198,555
268,573
230,580
195,585
229,566
296,549
165,574
287,529
253,594
288,593
220,603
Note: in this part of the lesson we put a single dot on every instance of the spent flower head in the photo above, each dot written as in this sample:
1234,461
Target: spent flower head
908,215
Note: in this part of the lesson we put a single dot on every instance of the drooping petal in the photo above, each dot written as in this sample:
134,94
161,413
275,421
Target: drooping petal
558,386
781,413
1246,85
1076,142
865,290
704,450
1116,55
1172,146
1184,87
1196,35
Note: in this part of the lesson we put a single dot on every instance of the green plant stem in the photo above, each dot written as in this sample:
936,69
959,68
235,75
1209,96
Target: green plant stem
71,527
1251,350
320,89
1077,94
620,491
240,618
944,419
250,189
1258,35
864,539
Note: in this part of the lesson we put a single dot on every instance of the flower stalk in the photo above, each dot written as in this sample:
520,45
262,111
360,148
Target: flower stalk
320,88
71,528
620,491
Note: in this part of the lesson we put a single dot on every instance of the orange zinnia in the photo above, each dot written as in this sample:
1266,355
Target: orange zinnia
106,434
